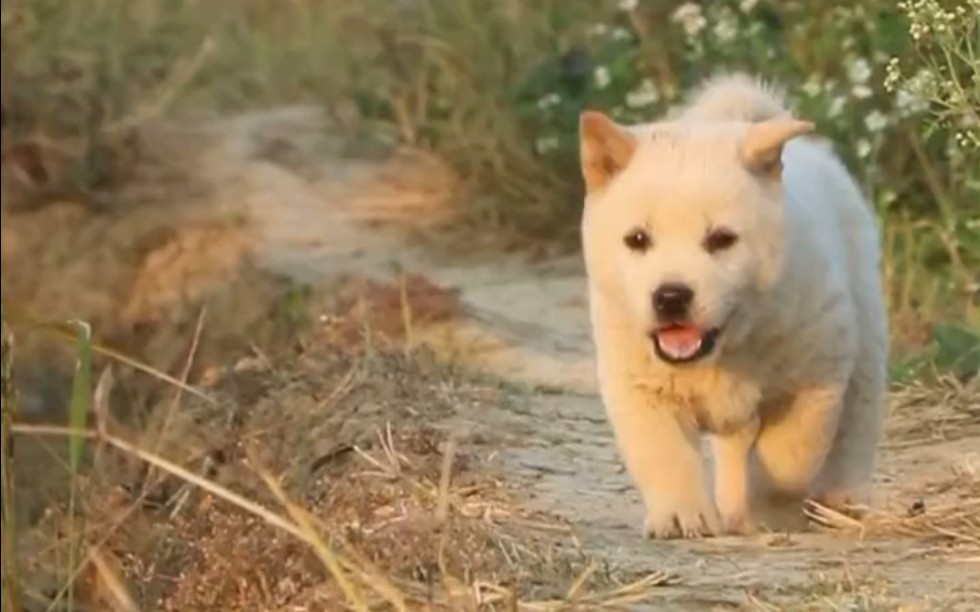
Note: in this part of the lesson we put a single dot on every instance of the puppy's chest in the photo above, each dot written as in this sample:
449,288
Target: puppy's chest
715,401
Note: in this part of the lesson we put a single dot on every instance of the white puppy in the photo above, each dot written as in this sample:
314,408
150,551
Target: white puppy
735,290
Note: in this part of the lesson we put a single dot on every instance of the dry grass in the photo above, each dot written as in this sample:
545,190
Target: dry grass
364,511
942,408
369,309
357,581
947,513
952,524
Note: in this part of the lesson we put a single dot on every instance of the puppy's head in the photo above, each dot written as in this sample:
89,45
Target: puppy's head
683,223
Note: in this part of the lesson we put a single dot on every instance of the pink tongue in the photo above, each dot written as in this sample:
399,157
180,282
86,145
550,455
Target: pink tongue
680,342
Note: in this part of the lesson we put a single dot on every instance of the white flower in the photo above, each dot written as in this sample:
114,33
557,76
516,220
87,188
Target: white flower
812,87
726,29
602,77
861,92
859,71
621,34
549,100
644,95
863,148
909,103
747,6
893,74
628,5
597,29
836,107
546,144
875,121
691,17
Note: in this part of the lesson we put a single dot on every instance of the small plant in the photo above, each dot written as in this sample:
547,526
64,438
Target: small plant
78,413
942,77
946,66
11,584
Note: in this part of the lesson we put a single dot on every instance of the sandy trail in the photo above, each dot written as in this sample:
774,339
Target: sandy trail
528,323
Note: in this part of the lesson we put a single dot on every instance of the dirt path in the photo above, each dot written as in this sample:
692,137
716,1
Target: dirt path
528,323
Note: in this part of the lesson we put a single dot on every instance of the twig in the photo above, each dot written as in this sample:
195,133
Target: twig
323,552
178,393
112,582
180,76
445,479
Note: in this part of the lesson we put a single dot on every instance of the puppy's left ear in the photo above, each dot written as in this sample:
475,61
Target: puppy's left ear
762,150
606,149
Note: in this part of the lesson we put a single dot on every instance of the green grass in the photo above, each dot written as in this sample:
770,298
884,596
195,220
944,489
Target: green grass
79,408
10,581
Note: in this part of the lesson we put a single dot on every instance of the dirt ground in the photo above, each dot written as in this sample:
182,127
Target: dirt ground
429,401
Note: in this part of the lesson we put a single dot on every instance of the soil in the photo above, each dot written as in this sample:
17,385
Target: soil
352,335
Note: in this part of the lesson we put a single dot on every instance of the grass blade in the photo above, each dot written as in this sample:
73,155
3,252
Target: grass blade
68,331
78,411
8,526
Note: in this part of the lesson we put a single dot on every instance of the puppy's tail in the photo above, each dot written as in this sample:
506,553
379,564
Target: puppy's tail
735,97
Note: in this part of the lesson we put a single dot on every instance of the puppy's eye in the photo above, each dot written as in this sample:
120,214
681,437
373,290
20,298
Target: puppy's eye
637,240
720,239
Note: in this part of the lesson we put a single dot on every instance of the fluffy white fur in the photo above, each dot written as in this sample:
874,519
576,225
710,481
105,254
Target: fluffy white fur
792,393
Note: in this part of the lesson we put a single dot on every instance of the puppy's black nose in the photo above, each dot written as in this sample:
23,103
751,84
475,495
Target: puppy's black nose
671,301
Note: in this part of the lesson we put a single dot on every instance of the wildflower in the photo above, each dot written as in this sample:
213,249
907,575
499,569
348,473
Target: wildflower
546,144
812,87
549,100
836,107
621,34
875,121
602,77
893,74
909,103
628,5
726,29
747,6
691,17
863,148
597,30
859,71
644,95
861,92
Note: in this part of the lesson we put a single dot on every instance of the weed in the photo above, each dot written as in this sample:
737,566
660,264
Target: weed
78,413
11,584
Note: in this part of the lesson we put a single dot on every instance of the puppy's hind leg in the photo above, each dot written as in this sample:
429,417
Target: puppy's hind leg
794,443
846,478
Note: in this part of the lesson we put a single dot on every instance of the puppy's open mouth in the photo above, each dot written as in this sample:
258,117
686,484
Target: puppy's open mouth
683,343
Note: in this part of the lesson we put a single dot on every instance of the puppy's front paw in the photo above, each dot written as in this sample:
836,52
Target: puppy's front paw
690,517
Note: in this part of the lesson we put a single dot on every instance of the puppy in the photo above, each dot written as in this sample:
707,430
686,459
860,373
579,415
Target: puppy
735,291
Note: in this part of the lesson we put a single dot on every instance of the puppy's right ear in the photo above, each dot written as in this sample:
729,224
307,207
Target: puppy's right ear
605,148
